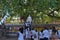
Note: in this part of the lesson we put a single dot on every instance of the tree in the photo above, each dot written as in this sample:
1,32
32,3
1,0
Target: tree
23,8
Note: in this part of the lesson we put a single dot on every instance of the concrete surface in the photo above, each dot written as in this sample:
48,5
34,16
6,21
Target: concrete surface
4,38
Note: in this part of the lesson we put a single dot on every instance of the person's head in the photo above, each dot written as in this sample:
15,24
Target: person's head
29,29
42,30
26,27
45,28
46,22
21,30
36,30
53,28
54,32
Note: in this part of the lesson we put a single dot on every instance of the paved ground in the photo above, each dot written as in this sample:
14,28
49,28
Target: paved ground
4,38
7,38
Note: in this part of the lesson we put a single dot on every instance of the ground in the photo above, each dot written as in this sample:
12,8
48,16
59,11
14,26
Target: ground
7,38
4,38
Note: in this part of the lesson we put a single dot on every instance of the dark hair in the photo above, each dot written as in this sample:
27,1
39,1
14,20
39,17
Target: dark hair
29,29
21,30
36,30
42,30
54,29
46,28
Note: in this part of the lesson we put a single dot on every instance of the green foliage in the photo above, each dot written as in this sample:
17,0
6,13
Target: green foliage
31,7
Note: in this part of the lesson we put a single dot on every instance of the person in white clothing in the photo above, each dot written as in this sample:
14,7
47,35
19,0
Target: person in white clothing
20,34
27,33
46,33
50,30
36,35
41,35
33,33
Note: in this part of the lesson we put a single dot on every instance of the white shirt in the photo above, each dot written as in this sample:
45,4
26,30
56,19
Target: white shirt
58,33
27,33
36,35
50,32
21,36
46,33
33,33
41,35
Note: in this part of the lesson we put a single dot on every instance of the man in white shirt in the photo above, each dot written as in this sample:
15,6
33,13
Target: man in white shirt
36,35
41,35
46,34
33,33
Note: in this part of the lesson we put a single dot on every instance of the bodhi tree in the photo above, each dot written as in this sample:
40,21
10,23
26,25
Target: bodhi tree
40,10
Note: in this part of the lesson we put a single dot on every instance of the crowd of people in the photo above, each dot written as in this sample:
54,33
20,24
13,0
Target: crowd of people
45,34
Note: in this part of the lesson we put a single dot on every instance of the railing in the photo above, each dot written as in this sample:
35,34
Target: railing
33,25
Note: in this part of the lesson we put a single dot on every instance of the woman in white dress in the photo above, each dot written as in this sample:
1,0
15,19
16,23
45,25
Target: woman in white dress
20,34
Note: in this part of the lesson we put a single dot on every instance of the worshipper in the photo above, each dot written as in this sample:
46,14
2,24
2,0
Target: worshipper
36,35
33,33
54,35
27,33
20,34
41,35
58,33
46,33
50,30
